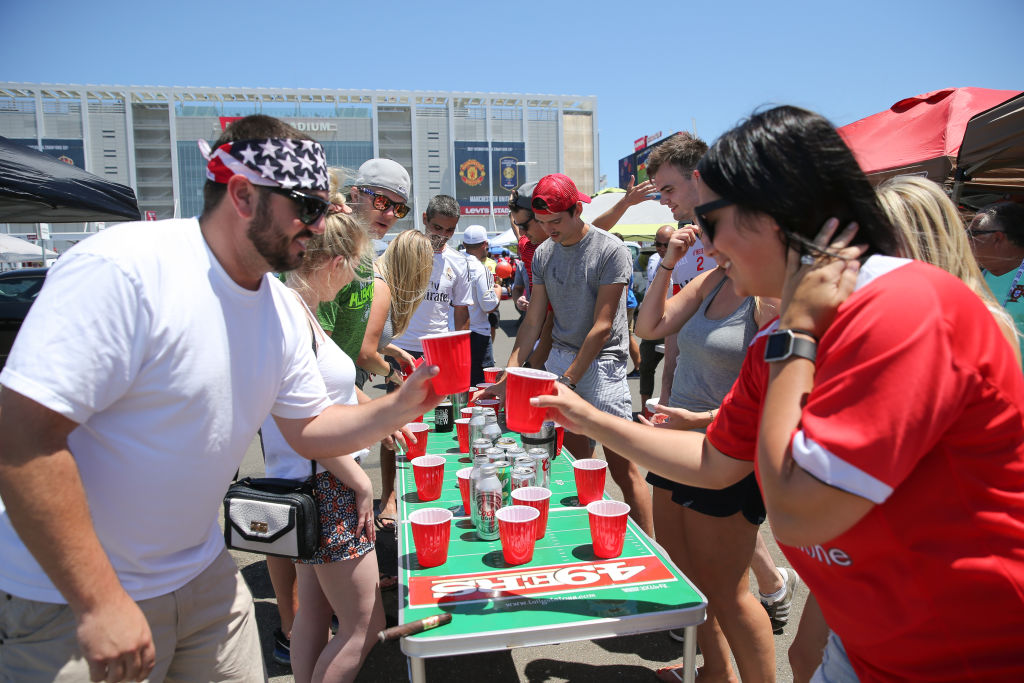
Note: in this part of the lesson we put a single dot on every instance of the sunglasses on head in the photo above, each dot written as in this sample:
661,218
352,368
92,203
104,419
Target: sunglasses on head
701,212
382,203
311,207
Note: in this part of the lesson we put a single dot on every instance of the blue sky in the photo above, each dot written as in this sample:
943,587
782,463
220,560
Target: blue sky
653,66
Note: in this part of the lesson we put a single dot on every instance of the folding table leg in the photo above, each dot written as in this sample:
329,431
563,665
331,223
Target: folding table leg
690,654
418,670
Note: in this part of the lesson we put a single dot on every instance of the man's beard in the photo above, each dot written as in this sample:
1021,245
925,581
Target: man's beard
270,241
438,242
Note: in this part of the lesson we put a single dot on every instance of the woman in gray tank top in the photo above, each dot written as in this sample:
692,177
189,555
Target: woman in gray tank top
712,534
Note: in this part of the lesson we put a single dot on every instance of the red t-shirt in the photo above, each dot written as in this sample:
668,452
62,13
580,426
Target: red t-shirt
918,405
526,249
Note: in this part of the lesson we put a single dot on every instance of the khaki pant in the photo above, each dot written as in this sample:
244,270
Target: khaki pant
204,631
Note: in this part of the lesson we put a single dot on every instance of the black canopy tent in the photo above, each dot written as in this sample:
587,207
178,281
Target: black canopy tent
37,188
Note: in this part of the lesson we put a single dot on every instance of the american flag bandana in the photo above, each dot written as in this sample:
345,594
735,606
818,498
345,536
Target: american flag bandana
271,162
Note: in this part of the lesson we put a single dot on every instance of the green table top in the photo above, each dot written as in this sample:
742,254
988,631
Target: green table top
564,593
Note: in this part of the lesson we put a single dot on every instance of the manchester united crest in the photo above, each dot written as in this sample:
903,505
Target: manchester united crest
472,172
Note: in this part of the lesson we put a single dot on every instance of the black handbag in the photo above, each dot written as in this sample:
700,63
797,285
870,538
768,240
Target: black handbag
273,517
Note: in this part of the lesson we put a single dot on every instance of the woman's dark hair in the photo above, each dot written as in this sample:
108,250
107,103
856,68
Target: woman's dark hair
792,165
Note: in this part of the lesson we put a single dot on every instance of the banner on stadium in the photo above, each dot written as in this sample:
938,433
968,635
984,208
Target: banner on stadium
70,151
481,170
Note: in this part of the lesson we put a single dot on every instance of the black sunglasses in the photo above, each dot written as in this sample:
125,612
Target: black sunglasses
661,245
701,214
311,207
525,224
974,233
382,203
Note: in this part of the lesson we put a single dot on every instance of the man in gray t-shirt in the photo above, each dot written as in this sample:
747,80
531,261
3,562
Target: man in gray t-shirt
583,271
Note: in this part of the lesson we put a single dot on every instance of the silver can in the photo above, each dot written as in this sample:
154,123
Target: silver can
506,443
480,446
542,464
520,477
494,454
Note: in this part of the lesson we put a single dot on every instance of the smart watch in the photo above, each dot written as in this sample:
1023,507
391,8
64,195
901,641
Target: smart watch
784,344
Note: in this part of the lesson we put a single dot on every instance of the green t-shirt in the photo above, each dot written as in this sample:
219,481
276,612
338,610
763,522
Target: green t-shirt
1012,301
348,314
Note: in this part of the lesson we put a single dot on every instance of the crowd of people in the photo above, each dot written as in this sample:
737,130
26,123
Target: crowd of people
841,360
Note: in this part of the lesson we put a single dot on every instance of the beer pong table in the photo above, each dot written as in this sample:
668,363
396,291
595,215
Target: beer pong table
564,593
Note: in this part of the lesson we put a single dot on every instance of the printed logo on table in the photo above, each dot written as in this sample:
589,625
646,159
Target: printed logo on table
509,583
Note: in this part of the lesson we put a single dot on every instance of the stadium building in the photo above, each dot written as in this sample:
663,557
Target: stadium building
476,147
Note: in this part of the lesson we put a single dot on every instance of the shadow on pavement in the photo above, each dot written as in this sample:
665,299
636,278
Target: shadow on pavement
543,670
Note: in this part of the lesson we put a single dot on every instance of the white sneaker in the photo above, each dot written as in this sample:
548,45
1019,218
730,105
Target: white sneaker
778,611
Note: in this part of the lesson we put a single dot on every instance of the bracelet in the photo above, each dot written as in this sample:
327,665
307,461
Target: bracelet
668,268
711,414
391,371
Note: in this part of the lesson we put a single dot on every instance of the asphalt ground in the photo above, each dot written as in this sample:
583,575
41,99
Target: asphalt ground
623,659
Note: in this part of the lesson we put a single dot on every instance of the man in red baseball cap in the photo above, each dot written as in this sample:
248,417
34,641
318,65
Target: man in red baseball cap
582,271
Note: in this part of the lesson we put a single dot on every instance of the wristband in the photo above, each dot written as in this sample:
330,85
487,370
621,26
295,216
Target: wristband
668,268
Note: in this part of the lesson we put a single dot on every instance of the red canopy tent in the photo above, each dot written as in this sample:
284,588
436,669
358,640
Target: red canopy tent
969,139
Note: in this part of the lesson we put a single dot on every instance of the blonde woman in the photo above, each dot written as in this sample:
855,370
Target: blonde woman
341,578
933,231
401,278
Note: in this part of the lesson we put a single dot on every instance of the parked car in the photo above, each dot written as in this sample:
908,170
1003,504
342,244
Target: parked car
18,290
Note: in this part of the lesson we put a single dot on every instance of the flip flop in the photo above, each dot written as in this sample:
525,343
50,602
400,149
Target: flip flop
384,523
672,674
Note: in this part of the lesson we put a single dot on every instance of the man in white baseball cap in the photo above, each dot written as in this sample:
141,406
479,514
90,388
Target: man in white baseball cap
486,297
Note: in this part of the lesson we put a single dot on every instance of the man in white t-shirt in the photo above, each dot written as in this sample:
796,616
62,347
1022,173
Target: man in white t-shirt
148,362
649,354
486,297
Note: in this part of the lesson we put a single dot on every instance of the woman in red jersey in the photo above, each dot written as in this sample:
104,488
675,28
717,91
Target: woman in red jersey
886,430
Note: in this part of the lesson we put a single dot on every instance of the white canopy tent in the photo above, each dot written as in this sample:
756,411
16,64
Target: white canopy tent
640,221
16,250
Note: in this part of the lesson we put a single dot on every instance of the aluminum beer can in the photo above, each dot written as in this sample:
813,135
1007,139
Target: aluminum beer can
515,452
506,443
542,464
480,446
520,477
523,460
444,417
494,454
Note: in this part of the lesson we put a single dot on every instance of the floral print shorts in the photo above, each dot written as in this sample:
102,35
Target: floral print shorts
338,520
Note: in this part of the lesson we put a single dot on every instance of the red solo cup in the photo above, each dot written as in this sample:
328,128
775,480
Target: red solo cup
420,430
589,475
649,406
449,351
536,497
659,418
524,384
490,403
428,473
517,528
463,477
467,412
607,526
462,430
492,374
559,437
409,369
484,385
431,532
